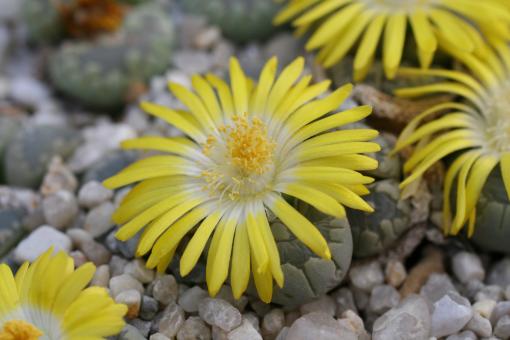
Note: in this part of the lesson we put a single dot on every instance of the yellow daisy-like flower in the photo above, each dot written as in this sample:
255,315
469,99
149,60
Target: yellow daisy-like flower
246,145
339,25
47,300
474,132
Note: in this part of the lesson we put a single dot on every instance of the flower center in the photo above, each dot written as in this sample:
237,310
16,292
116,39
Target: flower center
498,122
243,155
19,330
395,5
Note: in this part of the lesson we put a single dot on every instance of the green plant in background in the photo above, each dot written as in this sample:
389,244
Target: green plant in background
239,20
473,133
43,21
103,73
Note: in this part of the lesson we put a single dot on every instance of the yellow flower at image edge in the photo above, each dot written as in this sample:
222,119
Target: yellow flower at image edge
246,144
475,131
48,300
338,26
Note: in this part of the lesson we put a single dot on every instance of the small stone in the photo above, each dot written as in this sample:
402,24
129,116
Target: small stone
171,320
93,194
132,299
117,265
480,325
158,336
291,316
484,307
99,220
436,287
165,289
490,292
318,325
29,91
450,314
501,309
130,332
149,308
283,334
207,38
95,252
361,297
11,229
121,283
190,299
218,333
143,326
58,178
139,271
467,267
324,304
352,321
192,62
500,273
383,298
244,332
409,320
466,335
102,276
78,257
60,209
39,241
502,329
253,319
225,293
194,329
366,276
344,300
506,293
395,273
219,313
273,322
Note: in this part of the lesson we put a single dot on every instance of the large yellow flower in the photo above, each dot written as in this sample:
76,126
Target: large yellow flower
246,145
339,25
475,131
48,301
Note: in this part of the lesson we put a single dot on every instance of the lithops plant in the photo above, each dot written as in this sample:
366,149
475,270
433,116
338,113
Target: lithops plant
239,20
473,134
492,230
307,276
104,73
43,21
29,152
376,232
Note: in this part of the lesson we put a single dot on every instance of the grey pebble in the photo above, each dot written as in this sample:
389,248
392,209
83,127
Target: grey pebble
220,313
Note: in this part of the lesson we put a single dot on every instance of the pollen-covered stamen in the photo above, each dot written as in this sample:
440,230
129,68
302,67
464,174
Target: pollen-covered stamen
243,154
394,5
248,145
497,132
19,330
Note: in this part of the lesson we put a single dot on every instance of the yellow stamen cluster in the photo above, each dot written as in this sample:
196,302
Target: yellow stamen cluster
19,330
248,145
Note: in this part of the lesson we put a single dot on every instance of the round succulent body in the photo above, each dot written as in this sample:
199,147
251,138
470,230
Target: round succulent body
375,232
42,20
239,20
492,230
103,74
307,276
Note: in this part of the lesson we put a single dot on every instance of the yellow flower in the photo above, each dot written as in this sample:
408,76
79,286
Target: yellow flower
48,300
246,145
475,132
339,25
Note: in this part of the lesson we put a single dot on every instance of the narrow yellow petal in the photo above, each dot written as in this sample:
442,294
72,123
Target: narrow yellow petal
206,93
272,249
197,243
239,87
257,243
505,171
394,37
227,102
293,9
318,199
324,8
366,50
305,231
282,85
425,39
240,273
265,83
